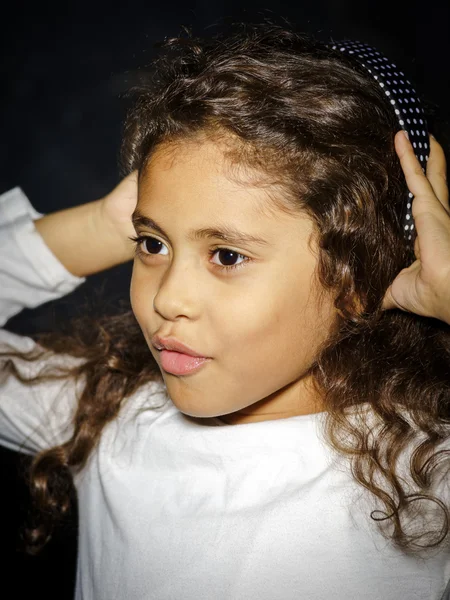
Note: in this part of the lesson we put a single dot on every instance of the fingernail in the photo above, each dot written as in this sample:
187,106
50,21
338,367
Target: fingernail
431,135
406,134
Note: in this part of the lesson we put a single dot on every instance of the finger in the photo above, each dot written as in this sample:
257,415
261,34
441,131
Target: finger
131,178
424,197
415,177
401,293
437,172
128,186
417,248
388,300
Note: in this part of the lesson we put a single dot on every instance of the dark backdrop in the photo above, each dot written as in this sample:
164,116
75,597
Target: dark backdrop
64,71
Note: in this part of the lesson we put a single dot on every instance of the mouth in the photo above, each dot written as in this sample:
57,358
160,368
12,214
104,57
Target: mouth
174,345
179,363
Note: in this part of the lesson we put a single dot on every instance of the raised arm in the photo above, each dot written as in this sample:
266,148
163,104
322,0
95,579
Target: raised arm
93,237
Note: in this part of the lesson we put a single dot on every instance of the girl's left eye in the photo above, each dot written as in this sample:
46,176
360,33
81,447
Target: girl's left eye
140,240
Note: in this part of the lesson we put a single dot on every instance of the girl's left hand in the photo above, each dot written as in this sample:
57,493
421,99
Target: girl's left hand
424,287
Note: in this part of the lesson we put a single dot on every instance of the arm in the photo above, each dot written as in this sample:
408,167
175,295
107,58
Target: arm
30,274
36,416
93,237
43,258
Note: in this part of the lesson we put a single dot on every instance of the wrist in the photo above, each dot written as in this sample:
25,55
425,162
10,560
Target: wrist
81,240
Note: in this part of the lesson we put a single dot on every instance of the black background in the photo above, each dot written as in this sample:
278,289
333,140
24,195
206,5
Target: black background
64,71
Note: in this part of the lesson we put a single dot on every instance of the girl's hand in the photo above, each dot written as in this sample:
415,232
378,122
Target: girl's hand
424,287
98,230
115,210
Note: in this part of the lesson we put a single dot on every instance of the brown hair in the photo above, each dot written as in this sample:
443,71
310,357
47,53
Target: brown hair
321,128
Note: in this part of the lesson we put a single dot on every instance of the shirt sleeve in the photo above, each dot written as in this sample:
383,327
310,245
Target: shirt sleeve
33,416
30,274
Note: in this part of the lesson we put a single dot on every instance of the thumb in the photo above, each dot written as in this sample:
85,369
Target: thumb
388,300
405,297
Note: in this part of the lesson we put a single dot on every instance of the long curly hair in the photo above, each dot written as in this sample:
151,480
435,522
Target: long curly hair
321,128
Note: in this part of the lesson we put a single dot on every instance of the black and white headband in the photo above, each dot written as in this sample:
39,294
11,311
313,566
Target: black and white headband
404,101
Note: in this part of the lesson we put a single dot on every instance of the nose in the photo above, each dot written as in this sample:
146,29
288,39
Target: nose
179,291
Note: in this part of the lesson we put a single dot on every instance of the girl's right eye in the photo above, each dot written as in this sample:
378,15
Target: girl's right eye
141,239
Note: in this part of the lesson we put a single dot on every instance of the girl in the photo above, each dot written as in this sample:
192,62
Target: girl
258,425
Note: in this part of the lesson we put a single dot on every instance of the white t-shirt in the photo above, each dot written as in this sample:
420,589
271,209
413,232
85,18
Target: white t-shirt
174,507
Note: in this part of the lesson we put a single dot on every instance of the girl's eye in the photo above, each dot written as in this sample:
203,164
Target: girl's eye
153,246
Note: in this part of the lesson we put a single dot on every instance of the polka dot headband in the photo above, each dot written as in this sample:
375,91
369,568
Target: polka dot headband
404,101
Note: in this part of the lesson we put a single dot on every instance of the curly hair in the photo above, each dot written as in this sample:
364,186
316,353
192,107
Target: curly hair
321,129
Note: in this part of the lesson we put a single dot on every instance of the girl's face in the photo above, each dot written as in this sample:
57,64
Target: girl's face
260,323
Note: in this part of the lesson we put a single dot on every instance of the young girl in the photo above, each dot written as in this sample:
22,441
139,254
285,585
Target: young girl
259,425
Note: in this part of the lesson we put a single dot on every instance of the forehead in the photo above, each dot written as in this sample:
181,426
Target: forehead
194,189
205,176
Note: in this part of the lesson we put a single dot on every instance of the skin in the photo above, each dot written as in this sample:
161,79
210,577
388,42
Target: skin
262,324
424,287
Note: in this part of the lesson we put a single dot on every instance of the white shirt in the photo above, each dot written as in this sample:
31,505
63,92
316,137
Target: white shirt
173,507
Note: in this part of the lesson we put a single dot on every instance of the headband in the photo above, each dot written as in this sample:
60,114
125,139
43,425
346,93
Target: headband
404,101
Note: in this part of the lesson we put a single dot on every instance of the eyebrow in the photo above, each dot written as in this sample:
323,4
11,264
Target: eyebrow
225,233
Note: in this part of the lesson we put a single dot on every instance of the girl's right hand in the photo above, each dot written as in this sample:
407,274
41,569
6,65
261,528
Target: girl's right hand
424,287
116,208
98,230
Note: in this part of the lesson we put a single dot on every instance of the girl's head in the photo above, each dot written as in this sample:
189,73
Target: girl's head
278,137
250,306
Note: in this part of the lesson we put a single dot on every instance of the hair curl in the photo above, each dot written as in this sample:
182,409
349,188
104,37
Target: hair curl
321,129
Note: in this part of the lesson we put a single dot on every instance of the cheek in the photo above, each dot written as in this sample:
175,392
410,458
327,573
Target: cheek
140,297
283,327
133,292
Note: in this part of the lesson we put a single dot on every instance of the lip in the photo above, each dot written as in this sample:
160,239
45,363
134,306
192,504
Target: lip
178,363
174,345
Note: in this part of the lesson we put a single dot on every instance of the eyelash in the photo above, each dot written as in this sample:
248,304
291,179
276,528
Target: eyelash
139,239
